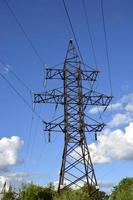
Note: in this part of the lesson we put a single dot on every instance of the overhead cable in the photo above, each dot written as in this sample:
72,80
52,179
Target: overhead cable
24,32
21,96
89,32
72,29
15,75
106,46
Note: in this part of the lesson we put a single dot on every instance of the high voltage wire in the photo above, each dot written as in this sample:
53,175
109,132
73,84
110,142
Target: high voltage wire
24,32
16,76
20,96
92,45
16,91
93,50
89,31
26,36
40,58
29,90
90,36
72,29
36,53
106,46
24,100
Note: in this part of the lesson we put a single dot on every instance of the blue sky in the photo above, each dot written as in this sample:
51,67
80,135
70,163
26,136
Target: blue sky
47,26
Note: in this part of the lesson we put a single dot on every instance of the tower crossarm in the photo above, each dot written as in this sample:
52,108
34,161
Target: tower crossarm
54,73
59,127
51,96
94,127
56,96
89,75
53,126
96,99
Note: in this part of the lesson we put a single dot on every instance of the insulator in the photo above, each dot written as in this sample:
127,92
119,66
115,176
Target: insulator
96,136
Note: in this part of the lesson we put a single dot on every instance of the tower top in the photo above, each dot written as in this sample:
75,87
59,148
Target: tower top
71,41
72,54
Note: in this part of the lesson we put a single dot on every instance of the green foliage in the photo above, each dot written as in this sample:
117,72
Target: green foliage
79,194
103,196
124,190
10,195
35,192
72,194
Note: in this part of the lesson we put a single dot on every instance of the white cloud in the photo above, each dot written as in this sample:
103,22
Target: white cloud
129,107
127,98
9,151
5,67
116,145
124,104
2,181
102,184
76,186
107,185
15,179
115,106
95,110
111,107
120,118
12,178
126,115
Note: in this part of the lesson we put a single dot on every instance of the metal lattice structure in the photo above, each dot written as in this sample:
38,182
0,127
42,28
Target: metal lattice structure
3,190
77,168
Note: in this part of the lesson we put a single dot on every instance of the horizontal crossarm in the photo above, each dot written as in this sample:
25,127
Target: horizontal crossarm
96,99
52,96
89,98
59,127
59,74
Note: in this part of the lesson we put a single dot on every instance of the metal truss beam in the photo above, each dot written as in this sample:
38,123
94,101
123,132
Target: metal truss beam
57,127
59,74
89,98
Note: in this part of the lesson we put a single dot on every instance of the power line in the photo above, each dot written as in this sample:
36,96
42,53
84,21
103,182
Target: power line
106,46
72,29
16,76
25,85
20,96
89,31
24,100
26,36
24,32
16,91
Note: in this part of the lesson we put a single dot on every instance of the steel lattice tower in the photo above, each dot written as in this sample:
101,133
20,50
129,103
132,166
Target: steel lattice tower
77,168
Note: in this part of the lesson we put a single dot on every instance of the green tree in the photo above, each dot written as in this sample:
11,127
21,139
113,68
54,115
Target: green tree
70,194
124,190
34,192
9,195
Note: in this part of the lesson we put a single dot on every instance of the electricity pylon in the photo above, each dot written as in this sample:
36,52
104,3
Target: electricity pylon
3,191
77,168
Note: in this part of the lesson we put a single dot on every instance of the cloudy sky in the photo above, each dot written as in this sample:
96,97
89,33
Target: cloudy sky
25,153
